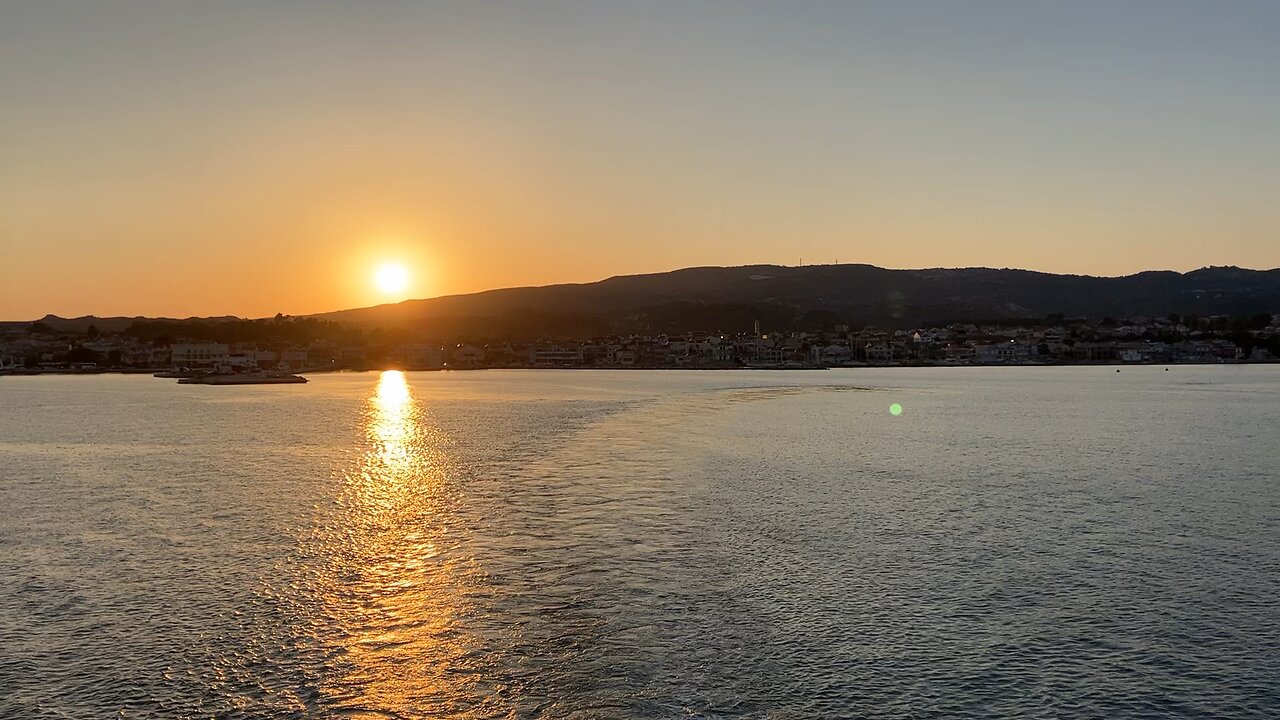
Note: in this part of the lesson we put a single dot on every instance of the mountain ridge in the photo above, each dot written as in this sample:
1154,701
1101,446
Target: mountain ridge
799,297
855,293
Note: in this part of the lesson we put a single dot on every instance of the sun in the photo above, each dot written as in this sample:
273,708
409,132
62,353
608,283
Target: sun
391,278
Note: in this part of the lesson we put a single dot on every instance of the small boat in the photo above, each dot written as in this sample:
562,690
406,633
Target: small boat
177,373
258,378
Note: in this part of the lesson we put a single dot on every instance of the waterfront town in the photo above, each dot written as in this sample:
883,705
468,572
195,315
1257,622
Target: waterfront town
305,345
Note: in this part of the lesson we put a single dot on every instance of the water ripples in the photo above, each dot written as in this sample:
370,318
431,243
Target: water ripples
699,545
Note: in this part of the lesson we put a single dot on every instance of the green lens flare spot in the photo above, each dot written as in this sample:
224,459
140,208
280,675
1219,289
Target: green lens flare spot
895,409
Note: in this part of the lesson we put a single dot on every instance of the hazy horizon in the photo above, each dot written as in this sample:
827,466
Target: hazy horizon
189,159
585,282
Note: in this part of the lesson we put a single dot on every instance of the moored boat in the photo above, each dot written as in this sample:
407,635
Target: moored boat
260,378
178,373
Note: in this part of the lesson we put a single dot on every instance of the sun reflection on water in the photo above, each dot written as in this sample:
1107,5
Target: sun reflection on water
399,574
391,426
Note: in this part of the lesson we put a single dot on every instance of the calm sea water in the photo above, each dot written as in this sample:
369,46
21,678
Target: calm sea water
1033,542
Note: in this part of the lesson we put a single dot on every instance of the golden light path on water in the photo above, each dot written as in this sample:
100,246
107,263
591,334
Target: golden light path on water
397,584
391,429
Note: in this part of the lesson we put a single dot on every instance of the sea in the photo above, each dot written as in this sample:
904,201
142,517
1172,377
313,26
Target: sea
1031,542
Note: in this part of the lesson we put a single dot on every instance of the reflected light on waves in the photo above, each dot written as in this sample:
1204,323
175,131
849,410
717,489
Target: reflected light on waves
397,581
391,426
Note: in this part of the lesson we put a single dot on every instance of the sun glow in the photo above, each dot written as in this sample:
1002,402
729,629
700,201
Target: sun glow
391,278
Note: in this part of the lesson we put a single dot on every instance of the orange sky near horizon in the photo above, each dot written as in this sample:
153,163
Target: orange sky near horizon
208,159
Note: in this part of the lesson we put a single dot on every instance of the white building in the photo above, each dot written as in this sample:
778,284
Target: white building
467,356
1006,352
294,358
556,356
423,357
832,353
197,355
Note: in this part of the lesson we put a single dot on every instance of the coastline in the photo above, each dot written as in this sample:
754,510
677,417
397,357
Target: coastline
860,366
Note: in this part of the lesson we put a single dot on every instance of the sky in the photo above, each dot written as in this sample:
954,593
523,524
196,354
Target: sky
207,158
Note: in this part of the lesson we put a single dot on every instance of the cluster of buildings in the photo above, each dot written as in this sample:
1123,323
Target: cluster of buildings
1166,340
960,344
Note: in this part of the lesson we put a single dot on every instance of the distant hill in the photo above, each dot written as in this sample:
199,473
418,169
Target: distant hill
732,298
81,324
